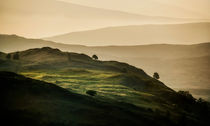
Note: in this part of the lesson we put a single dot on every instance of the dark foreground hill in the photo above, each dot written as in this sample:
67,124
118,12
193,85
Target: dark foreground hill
36,103
31,102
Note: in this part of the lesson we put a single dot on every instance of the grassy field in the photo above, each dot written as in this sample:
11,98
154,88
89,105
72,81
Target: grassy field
80,80
37,103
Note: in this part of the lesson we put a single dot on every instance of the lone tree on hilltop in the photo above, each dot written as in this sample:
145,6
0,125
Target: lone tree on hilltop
16,56
8,56
95,57
156,76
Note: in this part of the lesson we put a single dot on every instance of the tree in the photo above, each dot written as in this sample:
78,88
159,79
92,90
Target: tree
156,76
16,56
91,92
186,96
8,56
95,57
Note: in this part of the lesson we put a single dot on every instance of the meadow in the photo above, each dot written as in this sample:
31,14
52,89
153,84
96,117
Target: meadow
81,80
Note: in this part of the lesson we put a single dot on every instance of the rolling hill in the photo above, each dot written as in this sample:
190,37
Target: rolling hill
189,33
192,61
125,95
48,59
36,103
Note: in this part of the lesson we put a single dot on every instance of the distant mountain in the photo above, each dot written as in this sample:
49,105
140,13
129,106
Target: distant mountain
12,43
139,34
62,17
32,102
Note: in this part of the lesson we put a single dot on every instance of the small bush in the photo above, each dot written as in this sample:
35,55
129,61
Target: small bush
95,57
156,76
91,92
187,96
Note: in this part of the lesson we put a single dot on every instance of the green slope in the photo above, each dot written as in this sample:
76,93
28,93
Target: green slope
161,58
31,102
52,63
116,83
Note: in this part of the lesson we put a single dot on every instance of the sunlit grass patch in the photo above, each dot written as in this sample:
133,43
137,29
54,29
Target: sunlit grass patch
80,81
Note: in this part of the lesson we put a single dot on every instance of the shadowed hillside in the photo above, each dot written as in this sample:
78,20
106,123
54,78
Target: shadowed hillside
36,103
48,60
32,102
192,61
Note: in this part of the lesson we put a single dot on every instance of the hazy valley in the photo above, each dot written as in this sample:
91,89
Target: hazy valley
105,62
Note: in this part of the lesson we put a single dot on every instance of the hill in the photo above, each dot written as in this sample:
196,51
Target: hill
161,58
31,102
49,60
189,33
12,43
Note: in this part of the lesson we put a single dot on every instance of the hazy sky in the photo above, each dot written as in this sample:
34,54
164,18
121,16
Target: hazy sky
169,8
43,18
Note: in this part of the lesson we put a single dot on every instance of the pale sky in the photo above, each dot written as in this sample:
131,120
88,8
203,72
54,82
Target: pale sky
169,8
44,18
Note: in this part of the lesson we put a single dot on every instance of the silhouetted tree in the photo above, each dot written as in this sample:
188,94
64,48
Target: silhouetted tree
91,92
156,76
8,56
16,56
200,100
95,57
187,96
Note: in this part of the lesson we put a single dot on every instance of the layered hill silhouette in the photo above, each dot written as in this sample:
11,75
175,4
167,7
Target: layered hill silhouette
190,60
62,17
189,33
50,59
160,7
125,95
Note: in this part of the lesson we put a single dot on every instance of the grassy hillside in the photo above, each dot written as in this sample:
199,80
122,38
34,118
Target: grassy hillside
51,63
192,61
32,102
